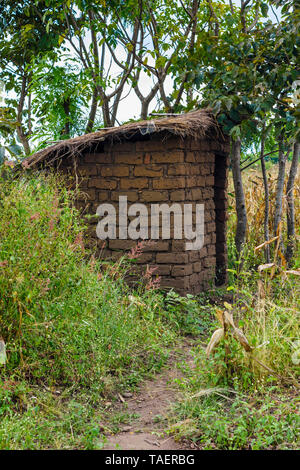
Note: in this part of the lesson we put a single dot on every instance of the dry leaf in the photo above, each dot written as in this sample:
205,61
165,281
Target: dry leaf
228,306
214,340
261,289
220,316
242,339
2,352
265,243
207,391
229,319
296,272
263,267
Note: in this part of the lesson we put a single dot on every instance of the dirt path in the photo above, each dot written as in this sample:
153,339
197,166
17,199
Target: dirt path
152,404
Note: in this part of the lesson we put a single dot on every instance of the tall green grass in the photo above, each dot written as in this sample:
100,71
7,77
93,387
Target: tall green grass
64,317
231,401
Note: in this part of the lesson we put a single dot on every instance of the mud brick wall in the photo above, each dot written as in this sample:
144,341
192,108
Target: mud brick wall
161,170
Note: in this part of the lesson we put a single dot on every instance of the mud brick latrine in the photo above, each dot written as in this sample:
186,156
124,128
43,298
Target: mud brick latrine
162,166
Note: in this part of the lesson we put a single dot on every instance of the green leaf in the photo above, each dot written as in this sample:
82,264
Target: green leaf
264,9
235,132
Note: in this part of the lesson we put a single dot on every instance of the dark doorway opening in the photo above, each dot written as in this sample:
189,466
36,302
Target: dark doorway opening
220,200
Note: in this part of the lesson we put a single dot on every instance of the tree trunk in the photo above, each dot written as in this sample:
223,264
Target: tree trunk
65,132
280,185
290,213
24,140
23,137
106,113
266,189
93,110
239,195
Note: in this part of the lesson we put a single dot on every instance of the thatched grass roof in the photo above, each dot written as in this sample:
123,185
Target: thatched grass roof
196,124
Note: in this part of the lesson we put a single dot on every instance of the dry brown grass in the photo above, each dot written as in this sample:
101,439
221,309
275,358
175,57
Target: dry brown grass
255,204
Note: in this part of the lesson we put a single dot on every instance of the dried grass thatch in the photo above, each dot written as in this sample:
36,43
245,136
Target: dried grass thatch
196,124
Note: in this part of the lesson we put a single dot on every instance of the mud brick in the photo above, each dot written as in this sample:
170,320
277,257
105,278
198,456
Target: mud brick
195,181
211,250
190,157
147,158
154,196
98,158
115,171
179,169
132,196
208,215
194,194
134,183
197,288
102,196
209,180
182,270
161,269
87,170
195,170
193,279
87,195
158,245
213,238
197,267
177,195
193,256
121,244
200,157
150,145
169,182
130,158
207,193
178,245
176,258
209,261
175,283
193,144
211,227
149,170
203,252
205,169
145,258
102,183
207,239
210,205
173,143
168,157
209,273
209,157
203,145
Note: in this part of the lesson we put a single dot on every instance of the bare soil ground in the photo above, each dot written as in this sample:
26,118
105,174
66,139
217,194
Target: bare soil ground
152,404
